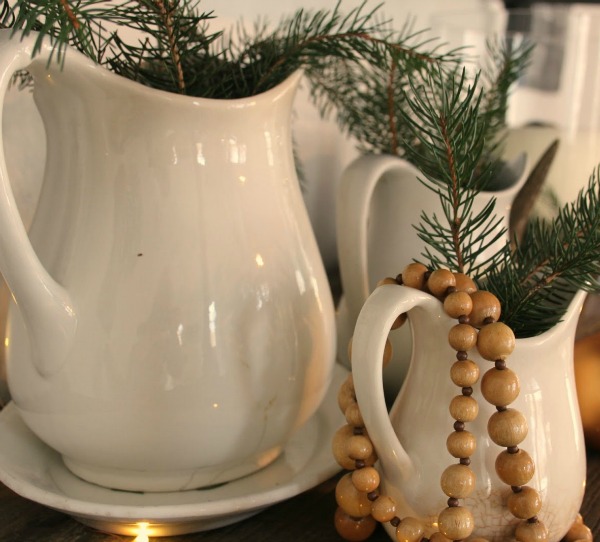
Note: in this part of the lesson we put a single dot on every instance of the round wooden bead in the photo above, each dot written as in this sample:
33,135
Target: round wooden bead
507,428
462,337
386,280
413,275
366,479
525,504
383,509
359,447
387,352
339,447
500,387
461,444
464,373
346,395
464,283
495,341
353,529
457,481
353,415
531,532
352,501
439,281
463,408
458,304
515,469
456,522
400,321
485,305
438,537
410,530
578,531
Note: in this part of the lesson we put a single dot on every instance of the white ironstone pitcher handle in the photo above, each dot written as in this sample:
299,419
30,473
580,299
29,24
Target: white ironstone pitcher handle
357,185
382,307
45,305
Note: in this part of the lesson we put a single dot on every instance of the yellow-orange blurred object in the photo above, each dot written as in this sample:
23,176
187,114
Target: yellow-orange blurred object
587,379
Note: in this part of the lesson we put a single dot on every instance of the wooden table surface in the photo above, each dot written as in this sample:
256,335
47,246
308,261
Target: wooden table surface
304,518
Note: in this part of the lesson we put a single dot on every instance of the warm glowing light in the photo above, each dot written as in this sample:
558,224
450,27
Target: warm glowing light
215,405
259,260
6,341
142,530
242,179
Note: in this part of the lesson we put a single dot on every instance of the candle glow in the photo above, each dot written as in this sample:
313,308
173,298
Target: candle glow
142,532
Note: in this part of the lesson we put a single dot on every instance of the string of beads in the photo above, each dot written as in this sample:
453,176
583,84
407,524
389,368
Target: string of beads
360,504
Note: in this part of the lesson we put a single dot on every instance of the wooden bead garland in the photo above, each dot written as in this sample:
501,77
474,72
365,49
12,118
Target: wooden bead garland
360,506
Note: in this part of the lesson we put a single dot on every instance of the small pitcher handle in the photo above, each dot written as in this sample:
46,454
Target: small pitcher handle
382,307
45,305
357,185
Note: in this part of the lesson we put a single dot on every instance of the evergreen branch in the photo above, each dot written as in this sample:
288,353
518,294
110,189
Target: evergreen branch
536,281
505,64
446,126
7,16
366,98
167,19
62,22
70,15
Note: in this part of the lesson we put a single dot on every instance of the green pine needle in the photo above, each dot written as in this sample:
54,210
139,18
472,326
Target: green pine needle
177,52
537,280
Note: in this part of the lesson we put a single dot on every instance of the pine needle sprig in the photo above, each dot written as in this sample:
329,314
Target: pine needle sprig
505,63
7,16
536,281
373,110
365,98
312,39
63,22
447,147
177,52
174,37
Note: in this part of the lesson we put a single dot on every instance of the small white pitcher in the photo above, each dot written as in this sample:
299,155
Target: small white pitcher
380,200
411,440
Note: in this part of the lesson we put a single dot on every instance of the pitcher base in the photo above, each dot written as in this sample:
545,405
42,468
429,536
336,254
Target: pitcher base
168,481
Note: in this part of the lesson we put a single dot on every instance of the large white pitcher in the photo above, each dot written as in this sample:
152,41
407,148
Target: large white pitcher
411,440
380,201
173,323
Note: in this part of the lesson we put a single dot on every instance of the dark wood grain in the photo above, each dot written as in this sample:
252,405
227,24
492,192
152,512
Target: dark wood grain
305,518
